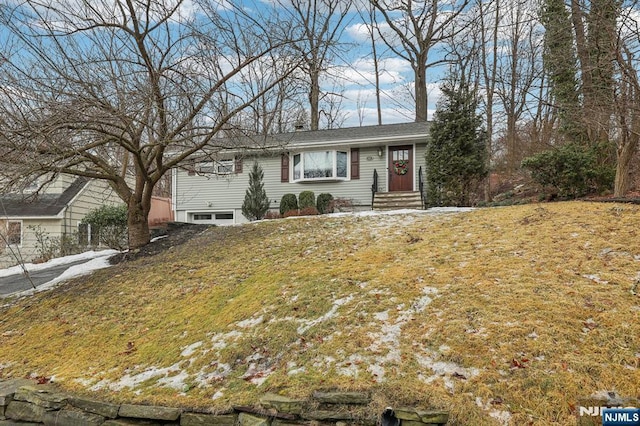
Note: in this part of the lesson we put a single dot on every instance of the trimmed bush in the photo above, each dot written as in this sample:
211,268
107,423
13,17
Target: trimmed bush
288,202
323,203
306,199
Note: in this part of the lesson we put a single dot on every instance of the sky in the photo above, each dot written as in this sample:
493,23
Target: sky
351,74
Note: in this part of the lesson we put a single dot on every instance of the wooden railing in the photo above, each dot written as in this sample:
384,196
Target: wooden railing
374,187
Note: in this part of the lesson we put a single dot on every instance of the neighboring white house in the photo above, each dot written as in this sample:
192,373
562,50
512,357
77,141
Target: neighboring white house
341,162
56,211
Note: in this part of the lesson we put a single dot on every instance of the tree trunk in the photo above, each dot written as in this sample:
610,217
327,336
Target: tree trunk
421,90
623,166
137,223
314,100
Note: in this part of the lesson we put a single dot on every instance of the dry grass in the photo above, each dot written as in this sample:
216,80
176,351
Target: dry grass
510,313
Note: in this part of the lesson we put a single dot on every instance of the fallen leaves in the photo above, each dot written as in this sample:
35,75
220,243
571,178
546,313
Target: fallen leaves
131,348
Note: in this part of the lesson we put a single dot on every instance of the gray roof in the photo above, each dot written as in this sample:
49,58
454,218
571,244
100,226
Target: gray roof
349,136
42,205
353,134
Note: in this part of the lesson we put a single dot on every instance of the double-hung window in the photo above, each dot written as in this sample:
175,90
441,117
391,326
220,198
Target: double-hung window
320,165
219,167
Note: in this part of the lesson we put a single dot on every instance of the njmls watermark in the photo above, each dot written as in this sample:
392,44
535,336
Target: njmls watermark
608,410
612,416
598,411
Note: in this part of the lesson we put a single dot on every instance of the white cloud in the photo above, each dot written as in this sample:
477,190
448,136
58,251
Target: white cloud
362,72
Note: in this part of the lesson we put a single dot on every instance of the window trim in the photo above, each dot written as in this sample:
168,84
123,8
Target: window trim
335,176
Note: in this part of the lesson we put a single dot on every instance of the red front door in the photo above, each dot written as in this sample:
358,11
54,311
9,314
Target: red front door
401,168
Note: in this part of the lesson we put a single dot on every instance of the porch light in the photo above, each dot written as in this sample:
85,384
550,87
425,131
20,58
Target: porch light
380,152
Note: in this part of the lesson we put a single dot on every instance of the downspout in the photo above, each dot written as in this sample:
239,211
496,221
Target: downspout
174,186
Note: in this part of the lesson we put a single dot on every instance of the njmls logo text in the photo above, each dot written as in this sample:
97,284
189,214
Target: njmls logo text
597,411
621,417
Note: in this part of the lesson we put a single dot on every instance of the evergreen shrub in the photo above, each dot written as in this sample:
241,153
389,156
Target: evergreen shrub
306,199
323,203
287,203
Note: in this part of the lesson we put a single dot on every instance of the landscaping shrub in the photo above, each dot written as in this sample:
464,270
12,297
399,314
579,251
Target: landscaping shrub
256,203
323,203
288,202
570,170
341,205
306,199
309,211
272,215
111,223
289,213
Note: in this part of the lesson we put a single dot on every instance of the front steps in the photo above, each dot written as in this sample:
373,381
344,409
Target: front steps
397,200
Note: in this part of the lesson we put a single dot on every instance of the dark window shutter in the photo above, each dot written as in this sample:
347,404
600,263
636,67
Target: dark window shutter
238,166
284,168
355,163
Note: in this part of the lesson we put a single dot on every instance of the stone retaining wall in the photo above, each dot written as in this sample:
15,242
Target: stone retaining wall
22,403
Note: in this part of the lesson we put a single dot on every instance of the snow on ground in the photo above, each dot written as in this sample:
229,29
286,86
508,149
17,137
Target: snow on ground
33,267
94,260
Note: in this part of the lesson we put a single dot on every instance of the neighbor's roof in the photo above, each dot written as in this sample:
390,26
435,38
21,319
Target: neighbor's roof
42,205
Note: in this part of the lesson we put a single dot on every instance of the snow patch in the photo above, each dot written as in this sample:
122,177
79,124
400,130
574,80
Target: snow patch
220,372
33,267
177,382
251,322
504,417
131,381
74,271
191,349
443,369
595,278
307,324
219,340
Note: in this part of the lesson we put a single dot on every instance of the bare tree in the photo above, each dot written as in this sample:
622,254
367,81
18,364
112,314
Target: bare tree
277,110
124,90
489,23
627,98
320,24
415,27
519,69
